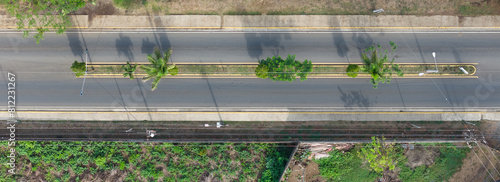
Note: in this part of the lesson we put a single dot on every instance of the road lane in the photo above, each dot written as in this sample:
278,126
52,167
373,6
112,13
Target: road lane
120,93
249,47
45,81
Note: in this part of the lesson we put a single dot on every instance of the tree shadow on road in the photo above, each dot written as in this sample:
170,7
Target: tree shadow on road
124,47
259,42
147,46
160,38
354,99
363,41
75,44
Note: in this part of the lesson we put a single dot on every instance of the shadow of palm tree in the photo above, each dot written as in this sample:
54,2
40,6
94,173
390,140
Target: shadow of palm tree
354,98
124,47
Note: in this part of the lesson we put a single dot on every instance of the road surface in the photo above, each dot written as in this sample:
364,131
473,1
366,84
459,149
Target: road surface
44,80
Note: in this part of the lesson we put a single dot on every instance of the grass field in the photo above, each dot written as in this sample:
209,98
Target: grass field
128,161
307,7
429,162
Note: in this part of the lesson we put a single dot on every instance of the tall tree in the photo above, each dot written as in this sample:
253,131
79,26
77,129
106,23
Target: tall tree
42,15
129,70
159,68
377,65
278,69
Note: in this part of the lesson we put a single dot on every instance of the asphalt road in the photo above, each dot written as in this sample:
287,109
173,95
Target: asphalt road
44,80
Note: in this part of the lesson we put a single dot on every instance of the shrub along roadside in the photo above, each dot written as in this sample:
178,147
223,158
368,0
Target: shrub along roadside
447,164
147,161
347,166
278,69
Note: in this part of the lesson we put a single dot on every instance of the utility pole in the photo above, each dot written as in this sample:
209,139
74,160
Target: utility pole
85,76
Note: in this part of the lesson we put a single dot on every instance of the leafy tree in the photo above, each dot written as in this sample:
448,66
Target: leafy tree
261,71
377,65
78,68
159,68
278,69
42,15
380,155
129,70
352,70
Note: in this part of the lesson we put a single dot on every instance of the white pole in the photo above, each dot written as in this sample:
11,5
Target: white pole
435,62
85,76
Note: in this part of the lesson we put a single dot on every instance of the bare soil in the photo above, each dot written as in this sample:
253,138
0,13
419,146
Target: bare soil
421,156
303,169
306,7
473,169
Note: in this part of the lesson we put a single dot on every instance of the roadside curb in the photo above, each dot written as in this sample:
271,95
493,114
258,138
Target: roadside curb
275,22
179,76
248,116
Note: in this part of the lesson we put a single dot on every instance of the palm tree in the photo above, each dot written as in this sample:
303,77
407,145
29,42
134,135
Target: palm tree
158,67
129,70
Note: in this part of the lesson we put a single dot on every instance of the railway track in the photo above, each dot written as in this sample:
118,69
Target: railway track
238,131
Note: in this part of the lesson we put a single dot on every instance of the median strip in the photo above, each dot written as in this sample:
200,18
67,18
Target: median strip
247,70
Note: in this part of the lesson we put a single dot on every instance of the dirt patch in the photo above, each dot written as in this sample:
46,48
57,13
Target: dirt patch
303,168
421,156
492,129
103,7
473,170
391,175
309,172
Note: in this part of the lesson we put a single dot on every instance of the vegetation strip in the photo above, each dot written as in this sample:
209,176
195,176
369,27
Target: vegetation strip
318,69
378,161
131,161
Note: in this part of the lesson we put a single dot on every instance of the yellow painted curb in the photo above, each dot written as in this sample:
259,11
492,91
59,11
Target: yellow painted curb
15,27
254,77
254,63
251,112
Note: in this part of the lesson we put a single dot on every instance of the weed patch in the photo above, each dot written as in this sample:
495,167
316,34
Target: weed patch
147,161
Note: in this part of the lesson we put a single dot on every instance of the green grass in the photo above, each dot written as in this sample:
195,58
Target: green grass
345,167
447,163
129,4
184,162
469,10
349,167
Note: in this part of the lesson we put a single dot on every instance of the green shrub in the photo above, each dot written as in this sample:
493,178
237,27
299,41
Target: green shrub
78,68
447,163
279,69
192,160
345,167
275,162
352,70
